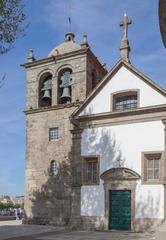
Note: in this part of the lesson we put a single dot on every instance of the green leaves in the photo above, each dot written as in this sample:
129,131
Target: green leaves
10,204
11,20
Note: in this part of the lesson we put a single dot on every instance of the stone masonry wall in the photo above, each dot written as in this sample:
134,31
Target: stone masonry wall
48,197
94,66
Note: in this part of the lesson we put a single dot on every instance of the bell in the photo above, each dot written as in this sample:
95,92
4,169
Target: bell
66,93
46,95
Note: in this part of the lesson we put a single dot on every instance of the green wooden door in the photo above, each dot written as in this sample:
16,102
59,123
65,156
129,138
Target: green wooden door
120,210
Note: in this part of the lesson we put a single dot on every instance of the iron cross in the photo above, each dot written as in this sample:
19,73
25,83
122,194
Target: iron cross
126,21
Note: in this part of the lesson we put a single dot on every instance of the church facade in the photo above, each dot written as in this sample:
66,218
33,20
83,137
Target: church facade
96,141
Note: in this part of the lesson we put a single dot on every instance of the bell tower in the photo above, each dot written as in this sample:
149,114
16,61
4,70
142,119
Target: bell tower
56,86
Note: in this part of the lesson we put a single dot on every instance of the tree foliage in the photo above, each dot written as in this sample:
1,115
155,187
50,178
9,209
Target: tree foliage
11,20
10,204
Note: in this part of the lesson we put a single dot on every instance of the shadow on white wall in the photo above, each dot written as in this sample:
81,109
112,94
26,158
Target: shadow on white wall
99,142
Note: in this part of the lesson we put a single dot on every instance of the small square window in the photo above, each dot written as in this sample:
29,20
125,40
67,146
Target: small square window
53,133
90,170
152,167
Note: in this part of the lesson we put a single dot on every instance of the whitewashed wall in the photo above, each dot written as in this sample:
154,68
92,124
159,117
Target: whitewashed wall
123,79
124,143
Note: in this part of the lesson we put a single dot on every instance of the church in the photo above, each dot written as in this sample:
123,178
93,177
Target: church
95,141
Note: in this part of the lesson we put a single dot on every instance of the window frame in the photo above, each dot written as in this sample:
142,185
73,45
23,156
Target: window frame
85,159
124,93
53,139
150,156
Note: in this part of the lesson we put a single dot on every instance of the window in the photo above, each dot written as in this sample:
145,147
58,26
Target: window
91,171
53,167
125,100
53,133
152,167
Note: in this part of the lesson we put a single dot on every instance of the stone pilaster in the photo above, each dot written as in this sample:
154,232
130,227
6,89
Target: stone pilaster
76,158
75,221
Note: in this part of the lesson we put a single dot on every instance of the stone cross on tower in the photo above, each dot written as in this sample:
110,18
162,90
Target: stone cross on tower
124,46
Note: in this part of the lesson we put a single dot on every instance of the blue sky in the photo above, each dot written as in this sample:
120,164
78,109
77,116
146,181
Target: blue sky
48,19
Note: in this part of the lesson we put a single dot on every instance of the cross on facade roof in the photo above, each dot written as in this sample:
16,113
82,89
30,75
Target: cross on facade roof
124,46
126,21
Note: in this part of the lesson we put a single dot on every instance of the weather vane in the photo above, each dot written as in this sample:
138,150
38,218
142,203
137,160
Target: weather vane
69,18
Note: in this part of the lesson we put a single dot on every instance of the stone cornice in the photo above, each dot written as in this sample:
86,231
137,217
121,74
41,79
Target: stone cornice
38,62
50,108
54,58
137,111
152,113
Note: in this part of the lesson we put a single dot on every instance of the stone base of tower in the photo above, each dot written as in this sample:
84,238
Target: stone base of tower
45,221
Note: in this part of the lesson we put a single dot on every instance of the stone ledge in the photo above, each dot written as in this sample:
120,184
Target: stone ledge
50,108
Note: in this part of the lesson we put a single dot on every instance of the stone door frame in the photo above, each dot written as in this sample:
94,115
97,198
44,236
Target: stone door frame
119,179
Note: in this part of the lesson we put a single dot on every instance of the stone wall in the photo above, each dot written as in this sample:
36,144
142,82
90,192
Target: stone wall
48,198
94,66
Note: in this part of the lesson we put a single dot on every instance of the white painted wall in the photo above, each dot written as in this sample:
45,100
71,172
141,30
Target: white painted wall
149,201
123,79
124,143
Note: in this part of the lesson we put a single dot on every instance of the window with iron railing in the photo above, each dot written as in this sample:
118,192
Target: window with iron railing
125,101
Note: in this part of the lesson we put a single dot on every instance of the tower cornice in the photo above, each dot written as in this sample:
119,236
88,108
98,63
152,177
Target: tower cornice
54,58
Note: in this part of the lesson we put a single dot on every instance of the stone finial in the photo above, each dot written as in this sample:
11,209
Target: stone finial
84,43
104,65
124,46
31,56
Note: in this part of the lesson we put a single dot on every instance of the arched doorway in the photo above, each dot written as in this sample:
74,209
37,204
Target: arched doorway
119,185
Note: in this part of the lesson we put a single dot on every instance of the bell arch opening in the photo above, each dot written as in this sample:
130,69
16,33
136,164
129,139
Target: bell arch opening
64,86
45,90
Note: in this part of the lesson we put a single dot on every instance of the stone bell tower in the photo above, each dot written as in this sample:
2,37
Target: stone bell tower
56,86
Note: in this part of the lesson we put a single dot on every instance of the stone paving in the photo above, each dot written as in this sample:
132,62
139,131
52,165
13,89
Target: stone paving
14,230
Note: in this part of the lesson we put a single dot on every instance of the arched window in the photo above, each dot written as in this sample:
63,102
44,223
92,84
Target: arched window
53,167
45,90
64,86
